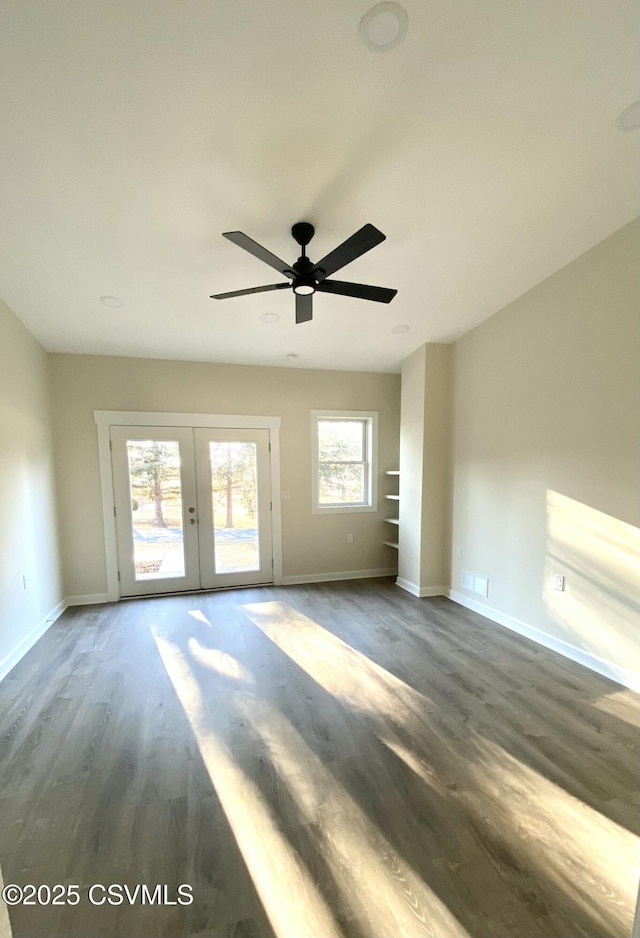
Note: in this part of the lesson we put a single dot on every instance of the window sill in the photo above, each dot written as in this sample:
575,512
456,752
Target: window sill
341,509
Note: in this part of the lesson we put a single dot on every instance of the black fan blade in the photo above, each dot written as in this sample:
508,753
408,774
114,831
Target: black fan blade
359,243
258,251
361,291
271,286
304,307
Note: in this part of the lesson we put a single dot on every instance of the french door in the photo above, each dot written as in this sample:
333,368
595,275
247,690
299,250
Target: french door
193,508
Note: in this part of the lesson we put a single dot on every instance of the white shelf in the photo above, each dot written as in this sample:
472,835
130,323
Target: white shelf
394,474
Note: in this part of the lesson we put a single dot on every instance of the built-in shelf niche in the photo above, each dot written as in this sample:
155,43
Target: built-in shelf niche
394,476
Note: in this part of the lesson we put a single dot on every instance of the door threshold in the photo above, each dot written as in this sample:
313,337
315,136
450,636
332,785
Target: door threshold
199,592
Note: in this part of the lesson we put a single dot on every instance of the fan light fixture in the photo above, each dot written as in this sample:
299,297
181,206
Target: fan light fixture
304,286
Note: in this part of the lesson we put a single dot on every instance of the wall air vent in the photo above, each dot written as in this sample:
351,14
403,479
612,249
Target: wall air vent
474,583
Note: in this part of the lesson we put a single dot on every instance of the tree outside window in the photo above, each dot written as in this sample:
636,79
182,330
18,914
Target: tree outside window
343,461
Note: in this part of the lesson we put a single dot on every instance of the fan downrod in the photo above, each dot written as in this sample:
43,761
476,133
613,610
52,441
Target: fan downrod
302,232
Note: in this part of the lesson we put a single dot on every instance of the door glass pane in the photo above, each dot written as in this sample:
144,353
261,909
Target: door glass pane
234,493
156,508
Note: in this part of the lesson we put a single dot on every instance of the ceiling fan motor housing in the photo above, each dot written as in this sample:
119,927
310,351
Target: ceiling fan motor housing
304,281
302,232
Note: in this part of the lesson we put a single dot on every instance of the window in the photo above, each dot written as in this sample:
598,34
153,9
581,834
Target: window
344,460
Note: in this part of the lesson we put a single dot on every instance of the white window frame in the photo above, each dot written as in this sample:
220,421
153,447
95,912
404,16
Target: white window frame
370,421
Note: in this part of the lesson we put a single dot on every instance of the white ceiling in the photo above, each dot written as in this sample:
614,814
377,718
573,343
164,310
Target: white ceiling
134,133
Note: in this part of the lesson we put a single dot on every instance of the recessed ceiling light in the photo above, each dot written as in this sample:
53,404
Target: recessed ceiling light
630,117
270,317
383,27
113,301
292,356
398,330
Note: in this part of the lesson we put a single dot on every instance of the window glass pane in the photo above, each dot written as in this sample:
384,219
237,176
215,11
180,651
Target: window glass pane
341,484
156,508
341,440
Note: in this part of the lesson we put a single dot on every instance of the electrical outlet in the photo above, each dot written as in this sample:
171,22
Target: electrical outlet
459,553
558,582
349,538
24,582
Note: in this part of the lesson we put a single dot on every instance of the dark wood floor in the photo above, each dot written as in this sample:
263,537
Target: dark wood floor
336,759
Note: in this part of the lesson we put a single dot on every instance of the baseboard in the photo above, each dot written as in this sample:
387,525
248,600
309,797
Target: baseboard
345,575
89,599
11,660
607,668
421,591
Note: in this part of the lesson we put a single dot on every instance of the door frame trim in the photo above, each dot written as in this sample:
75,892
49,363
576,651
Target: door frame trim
105,419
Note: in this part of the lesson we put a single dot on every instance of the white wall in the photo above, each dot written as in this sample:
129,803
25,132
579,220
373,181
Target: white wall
546,444
312,544
28,538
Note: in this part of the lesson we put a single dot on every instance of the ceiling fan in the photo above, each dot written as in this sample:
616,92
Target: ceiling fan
307,277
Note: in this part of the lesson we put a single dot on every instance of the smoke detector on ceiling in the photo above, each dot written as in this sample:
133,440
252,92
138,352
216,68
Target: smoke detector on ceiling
383,27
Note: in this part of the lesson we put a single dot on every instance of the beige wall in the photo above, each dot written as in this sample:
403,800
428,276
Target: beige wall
425,470
546,449
28,540
312,544
411,469
436,481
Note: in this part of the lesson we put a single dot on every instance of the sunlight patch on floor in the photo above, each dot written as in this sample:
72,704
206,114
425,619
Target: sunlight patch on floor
293,904
342,670
548,828
5,924
375,885
418,766
619,704
543,821
219,661
378,886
